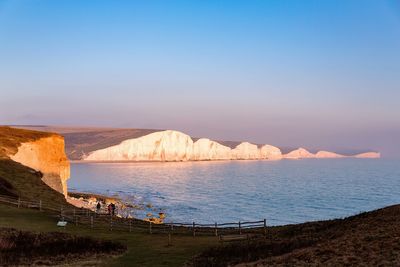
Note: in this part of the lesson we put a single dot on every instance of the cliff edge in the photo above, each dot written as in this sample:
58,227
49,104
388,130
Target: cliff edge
173,145
43,152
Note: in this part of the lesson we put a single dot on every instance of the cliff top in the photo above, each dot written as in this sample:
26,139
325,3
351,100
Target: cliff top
11,139
17,179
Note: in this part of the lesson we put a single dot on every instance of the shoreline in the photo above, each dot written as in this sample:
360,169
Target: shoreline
124,208
215,160
160,220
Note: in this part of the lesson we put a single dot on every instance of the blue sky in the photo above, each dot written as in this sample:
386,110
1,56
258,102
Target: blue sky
321,74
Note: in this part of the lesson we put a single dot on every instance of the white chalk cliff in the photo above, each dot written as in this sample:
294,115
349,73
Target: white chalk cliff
158,146
368,155
300,153
246,150
270,152
206,149
176,146
328,155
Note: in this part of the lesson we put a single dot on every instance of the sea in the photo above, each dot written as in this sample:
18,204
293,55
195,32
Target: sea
282,192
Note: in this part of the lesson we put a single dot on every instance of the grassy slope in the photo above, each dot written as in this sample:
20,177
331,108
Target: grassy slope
26,183
143,249
371,238
28,248
367,239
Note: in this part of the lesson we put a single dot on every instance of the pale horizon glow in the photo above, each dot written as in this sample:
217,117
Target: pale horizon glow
322,75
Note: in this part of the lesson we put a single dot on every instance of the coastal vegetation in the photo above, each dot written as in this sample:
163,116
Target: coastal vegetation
364,239
368,239
50,248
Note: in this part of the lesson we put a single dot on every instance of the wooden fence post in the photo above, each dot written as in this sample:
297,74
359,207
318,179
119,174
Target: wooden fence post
265,227
194,229
40,205
216,229
91,221
150,231
172,226
240,228
130,225
19,202
111,223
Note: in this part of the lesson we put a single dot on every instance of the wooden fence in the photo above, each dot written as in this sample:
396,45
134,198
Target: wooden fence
104,221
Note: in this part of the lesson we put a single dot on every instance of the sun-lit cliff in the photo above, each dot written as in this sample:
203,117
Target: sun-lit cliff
300,153
246,150
158,146
41,151
328,155
368,155
270,152
206,149
176,146
47,156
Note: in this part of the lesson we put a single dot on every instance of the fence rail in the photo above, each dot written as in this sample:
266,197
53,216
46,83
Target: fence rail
104,221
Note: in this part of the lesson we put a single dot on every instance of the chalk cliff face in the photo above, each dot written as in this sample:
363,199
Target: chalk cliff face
206,149
176,146
300,153
270,152
246,150
158,146
47,156
328,155
368,155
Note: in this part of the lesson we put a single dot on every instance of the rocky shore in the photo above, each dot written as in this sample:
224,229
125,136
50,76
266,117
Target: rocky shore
124,208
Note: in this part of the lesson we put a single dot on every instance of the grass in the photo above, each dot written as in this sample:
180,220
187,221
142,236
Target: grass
143,249
11,138
30,248
367,239
19,180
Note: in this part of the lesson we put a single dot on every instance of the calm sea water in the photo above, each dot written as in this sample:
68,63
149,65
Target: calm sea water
283,192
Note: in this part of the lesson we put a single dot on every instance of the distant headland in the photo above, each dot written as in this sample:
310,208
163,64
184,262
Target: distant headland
111,144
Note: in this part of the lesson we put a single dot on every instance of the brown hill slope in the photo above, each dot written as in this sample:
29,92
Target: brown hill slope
367,239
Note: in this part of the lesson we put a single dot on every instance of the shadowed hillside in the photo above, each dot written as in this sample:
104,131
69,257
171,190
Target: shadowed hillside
367,239
30,248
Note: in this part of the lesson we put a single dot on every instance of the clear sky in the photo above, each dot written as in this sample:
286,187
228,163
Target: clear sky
321,74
